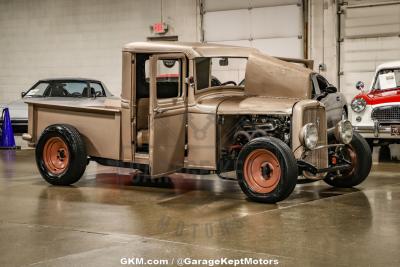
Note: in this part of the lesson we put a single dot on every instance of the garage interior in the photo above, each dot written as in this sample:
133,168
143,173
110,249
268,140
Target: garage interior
111,214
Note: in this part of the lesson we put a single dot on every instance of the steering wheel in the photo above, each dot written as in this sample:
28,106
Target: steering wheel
215,81
228,82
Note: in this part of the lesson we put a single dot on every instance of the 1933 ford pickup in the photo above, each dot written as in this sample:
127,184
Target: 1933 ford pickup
194,107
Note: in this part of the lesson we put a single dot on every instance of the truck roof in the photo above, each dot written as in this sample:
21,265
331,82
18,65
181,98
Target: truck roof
191,49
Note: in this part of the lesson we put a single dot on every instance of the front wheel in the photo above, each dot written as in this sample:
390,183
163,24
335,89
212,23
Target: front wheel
61,155
266,170
358,154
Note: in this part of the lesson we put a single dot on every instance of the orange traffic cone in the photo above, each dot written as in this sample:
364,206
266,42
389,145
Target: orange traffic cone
7,139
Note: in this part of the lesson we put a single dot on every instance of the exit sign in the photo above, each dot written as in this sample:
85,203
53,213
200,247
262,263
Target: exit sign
160,27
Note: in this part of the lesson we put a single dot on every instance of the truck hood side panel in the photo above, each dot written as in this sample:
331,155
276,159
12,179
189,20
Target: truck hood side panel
256,105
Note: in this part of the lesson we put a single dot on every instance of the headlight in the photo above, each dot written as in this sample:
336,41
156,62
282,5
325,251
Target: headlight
309,136
344,132
358,104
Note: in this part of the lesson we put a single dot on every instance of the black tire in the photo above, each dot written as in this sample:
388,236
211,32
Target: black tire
286,172
362,165
76,156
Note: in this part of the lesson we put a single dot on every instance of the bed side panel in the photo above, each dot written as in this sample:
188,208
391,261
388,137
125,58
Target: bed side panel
99,129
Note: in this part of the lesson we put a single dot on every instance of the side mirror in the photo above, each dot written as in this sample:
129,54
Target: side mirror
331,89
23,94
360,85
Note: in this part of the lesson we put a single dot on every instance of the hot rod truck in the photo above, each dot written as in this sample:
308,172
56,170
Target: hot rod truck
195,107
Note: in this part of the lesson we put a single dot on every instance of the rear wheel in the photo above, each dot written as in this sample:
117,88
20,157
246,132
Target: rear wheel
61,155
359,154
266,170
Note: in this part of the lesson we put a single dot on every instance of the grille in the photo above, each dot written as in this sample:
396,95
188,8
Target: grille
386,114
319,157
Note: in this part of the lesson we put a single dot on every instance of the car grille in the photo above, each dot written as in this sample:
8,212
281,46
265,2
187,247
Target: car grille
386,114
317,157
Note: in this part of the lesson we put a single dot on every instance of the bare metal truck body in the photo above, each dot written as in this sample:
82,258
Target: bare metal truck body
203,107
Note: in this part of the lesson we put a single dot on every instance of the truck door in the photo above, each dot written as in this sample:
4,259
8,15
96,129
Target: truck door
167,113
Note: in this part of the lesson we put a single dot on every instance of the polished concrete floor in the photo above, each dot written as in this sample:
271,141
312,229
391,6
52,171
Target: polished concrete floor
105,217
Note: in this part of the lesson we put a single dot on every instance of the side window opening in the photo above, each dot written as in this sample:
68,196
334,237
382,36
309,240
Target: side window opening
142,76
169,78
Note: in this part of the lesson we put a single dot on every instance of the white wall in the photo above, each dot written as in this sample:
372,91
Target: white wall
62,38
323,37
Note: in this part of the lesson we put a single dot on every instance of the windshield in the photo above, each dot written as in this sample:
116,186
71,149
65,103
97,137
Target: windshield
65,89
387,79
220,71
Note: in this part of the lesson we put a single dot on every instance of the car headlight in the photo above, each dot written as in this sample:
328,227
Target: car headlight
344,132
358,104
309,136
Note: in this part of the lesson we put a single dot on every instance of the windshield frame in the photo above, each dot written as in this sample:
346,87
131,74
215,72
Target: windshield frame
213,88
373,86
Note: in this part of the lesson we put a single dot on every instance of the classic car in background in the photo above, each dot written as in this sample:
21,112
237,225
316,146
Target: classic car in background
377,110
72,89
199,117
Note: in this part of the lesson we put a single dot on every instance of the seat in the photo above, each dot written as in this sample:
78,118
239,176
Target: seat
86,90
142,122
58,91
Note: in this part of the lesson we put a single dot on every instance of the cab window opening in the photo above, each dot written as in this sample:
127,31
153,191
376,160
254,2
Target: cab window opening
219,71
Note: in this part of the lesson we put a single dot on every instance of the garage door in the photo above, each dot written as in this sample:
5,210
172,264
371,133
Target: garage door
275,27
369,37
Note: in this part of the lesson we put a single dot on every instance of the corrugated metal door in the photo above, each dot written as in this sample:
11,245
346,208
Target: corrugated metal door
275,27
369,36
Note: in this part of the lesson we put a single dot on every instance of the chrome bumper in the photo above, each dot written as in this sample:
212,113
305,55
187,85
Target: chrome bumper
376,131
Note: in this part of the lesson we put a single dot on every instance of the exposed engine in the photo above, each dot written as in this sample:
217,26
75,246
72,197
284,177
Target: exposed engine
250,127
236,131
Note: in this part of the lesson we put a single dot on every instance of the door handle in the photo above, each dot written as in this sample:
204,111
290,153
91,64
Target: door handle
338,98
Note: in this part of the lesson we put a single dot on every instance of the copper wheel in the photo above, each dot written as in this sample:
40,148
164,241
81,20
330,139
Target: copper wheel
56,155
262,171
352,157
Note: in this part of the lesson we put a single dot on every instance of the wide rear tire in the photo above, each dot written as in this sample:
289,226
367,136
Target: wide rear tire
61,155
361,160
266,170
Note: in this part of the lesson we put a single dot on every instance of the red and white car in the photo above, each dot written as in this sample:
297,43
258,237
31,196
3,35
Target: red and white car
376,112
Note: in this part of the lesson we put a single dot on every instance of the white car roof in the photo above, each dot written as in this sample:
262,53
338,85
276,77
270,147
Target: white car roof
388,65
